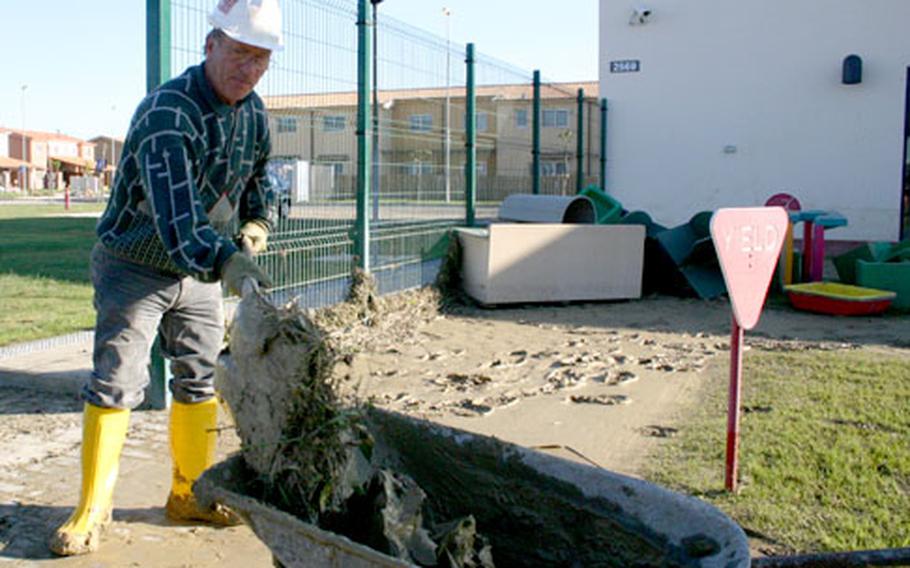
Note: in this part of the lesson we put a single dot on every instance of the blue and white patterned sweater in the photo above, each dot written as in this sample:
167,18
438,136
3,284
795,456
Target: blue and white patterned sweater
192,166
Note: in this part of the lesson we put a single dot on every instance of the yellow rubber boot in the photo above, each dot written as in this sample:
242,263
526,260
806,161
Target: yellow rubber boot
103,434
193,438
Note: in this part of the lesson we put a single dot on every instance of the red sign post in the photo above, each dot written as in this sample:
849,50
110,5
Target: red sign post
748,242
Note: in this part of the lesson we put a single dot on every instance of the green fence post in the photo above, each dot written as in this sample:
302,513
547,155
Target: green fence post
535,137
470,145
603,145
362,238
157,71
374,80
157,43
580,146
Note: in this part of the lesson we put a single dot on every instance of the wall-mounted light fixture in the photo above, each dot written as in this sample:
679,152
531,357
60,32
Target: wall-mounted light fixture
641,14
853,70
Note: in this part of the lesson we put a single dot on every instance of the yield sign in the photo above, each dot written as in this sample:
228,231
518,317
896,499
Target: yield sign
748,242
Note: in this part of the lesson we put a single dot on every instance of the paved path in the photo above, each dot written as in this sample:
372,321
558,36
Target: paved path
40,437
60,368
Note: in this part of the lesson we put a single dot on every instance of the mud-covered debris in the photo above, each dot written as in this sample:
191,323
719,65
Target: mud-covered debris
311,451
277,384
460,545
605,399
387,516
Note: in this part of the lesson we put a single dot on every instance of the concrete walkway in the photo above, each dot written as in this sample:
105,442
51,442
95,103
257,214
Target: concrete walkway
61,367
40,439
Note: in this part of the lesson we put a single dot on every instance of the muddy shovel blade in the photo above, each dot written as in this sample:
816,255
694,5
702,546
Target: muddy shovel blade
248,286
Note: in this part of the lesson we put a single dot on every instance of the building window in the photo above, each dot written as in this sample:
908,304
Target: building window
481,167
287,124
555,118
521,118
335,161
337,168
483,121
553,168
333,123
419,169
421,122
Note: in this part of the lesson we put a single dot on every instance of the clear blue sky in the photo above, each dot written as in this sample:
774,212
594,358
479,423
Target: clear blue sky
84,62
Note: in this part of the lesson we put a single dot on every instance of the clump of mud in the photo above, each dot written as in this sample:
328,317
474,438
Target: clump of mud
311,452
449,280
277,385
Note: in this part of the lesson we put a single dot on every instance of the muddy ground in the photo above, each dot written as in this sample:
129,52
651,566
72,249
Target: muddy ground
604,383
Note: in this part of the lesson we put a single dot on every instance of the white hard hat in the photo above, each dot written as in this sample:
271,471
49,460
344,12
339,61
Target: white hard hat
253,22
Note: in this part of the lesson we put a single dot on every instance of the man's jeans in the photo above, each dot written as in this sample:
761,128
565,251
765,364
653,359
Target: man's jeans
133,302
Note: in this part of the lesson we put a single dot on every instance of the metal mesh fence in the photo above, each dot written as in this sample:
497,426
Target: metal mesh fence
505,141
559,140
417,181
310,92
504,133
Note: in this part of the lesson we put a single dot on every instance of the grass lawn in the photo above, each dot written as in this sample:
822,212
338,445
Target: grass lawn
44,277
824,450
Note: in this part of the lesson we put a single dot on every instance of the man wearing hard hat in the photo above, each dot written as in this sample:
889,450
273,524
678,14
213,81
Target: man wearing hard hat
193,167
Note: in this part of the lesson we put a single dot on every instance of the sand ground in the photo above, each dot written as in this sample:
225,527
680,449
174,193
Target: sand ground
605,383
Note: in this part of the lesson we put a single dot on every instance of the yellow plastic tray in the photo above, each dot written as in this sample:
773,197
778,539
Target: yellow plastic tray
840,291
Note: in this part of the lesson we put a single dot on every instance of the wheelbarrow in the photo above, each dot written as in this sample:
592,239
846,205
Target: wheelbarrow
535,509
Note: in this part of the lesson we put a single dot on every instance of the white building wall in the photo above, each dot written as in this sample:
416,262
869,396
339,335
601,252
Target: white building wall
761,79
4,144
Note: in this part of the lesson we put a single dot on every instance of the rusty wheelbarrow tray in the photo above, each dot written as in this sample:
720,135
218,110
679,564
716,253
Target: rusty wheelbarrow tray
536,509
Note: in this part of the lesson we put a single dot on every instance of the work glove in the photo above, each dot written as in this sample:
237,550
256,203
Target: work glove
238,268
255,235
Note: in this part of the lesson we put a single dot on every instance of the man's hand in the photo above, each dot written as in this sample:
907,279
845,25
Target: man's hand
238,268
256,235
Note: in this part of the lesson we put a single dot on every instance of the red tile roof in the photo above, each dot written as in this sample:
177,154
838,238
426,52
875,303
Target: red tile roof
45,136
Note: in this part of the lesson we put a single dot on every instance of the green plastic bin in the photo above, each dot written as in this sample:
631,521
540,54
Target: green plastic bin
894,276
846,263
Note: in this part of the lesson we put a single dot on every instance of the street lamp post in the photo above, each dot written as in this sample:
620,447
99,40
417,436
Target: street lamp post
112,163
448,142
23,171
375,179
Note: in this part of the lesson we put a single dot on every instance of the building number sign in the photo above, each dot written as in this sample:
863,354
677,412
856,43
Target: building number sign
625,66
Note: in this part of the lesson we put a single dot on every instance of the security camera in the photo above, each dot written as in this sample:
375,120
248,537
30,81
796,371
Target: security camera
640,15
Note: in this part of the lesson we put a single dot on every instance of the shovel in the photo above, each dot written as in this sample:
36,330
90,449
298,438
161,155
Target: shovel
249,285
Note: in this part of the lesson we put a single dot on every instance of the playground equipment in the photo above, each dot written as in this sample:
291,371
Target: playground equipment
838,299
880,265
675,260
792,206
691,254
893,276
547,209
815,223
608,209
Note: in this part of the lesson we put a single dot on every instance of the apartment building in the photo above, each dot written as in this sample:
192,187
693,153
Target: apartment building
421,137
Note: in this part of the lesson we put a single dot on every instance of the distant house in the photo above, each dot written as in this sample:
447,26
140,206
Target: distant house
107,154
718,104
13,171
40,153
